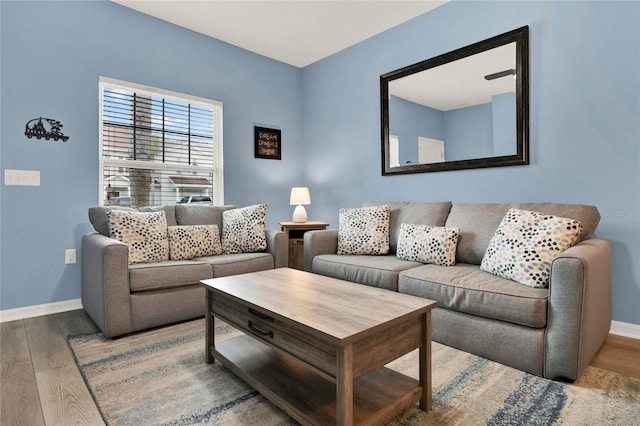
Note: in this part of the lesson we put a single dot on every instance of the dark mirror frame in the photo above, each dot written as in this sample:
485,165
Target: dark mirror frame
521,37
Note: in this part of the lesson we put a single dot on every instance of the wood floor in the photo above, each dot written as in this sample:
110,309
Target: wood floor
41,385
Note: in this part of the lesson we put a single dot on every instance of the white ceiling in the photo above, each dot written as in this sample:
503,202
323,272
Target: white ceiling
301,32
461,83
297,32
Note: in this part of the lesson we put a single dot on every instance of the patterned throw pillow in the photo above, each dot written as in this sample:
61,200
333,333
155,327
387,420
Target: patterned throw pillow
428,244
525,244
364,230
144,233
189,241
243,230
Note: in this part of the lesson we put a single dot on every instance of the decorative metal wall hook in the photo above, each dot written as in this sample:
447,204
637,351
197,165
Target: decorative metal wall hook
47,128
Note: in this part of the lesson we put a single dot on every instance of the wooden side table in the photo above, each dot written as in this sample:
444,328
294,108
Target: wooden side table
295,234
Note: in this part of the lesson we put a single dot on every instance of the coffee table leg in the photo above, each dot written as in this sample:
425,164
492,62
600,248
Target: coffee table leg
425,363
209,330
344,386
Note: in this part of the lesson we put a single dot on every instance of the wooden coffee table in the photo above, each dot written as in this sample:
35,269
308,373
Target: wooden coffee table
316,346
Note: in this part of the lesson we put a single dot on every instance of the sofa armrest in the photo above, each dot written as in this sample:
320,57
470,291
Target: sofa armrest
277,246
319,242
579,310
105,283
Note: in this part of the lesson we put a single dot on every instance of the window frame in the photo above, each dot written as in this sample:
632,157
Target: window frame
216,169
394,151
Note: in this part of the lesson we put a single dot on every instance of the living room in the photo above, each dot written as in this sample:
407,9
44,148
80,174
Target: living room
584,130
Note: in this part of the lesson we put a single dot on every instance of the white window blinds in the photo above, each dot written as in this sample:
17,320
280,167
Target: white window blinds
157,147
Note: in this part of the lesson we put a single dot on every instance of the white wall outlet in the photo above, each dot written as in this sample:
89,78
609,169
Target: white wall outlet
70,256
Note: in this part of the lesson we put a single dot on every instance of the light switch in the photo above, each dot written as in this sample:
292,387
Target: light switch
69,256
22,177
32,177
10,177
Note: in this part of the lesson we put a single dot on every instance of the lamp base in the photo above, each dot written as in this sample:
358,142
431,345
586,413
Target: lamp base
299,214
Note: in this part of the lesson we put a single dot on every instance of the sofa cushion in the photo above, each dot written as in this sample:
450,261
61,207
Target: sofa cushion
589,216
144,233
168,209
98,215
363,230
478,223
465,288
225,265
431,214
428,244
199,214
243,229
168,274
189,241
525,244
376,271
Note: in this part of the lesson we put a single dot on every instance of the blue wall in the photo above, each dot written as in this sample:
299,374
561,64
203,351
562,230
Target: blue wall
584,109
468,132
504,123
410,120
52,55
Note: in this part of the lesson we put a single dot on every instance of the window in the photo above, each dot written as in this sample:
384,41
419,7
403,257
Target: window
394,151
156,146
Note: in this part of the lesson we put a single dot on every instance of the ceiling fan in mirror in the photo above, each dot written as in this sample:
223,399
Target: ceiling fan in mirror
500,74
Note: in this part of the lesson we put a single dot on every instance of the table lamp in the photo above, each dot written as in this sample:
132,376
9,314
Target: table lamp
299,197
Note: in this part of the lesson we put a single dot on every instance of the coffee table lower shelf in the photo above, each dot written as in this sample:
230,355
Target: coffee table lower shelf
306,396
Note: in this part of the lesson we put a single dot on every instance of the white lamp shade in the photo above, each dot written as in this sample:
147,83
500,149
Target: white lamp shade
300,196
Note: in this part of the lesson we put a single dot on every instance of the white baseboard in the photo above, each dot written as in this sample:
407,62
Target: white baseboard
39,310
625,329
618,328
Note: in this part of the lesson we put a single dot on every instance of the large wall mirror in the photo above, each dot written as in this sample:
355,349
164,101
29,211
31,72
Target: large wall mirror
465,109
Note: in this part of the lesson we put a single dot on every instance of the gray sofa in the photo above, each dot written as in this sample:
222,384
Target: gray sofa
122,298
551,332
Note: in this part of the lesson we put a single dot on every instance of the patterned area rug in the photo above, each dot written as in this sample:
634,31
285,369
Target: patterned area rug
159,377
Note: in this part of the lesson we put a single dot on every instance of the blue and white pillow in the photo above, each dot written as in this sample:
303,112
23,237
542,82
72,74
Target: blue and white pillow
525,244
243,229
190,241
144,233
428,244
364,230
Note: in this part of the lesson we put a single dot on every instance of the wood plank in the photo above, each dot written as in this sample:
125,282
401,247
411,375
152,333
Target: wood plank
209,330
287,341
318,303
425,366
13,345
65,397
361,338
390,344
49,349
306,396
344,386
619,354
75,322
21,405
19,400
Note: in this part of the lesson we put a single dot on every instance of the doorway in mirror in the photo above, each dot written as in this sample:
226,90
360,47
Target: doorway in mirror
430,150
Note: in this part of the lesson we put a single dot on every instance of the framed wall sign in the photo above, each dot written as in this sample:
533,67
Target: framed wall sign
268,143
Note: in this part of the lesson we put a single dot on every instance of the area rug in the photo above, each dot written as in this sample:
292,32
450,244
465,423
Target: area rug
159,377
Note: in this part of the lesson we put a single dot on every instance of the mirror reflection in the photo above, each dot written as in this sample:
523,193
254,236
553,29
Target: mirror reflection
464,109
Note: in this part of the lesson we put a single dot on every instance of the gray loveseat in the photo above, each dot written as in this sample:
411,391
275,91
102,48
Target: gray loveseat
122,298
551,332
